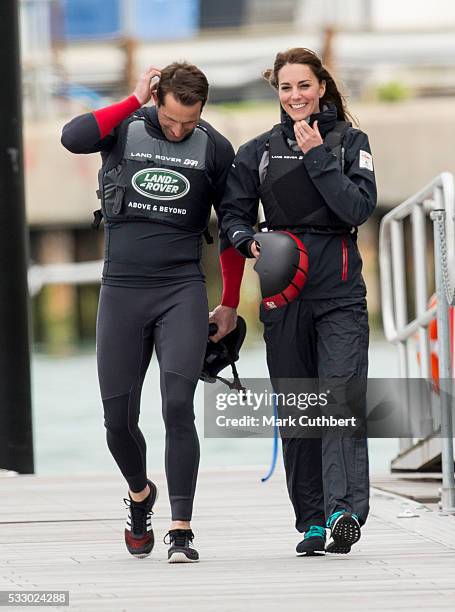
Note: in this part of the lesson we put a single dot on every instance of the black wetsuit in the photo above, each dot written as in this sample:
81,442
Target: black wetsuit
153,288
324,332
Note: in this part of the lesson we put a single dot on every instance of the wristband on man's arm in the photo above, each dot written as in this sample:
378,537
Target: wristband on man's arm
109,117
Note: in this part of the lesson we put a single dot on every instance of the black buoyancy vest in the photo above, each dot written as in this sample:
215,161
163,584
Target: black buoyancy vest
159,180
288,195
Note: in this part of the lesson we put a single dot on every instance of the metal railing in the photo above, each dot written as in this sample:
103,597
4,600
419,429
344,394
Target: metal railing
437,201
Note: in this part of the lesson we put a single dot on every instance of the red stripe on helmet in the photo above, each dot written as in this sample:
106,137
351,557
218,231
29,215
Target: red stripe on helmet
296,240
274,301
301,273
296,284
300,277
291,292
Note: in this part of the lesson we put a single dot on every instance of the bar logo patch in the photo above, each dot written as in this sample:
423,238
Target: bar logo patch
365,160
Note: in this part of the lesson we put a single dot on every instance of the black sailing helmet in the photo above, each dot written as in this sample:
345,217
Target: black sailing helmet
219,355
282,267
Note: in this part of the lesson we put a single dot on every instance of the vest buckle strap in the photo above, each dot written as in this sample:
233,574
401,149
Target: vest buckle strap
118,199
97,218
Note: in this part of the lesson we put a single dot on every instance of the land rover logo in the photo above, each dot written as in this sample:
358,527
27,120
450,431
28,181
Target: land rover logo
160,184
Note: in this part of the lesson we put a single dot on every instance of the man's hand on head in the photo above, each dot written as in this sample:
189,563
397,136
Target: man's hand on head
144,86
226,320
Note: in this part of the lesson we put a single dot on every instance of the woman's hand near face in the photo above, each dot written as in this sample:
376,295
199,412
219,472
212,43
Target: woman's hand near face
307,137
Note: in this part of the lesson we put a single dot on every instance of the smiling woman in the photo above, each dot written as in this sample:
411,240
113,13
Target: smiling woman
314,175
299,96
304,85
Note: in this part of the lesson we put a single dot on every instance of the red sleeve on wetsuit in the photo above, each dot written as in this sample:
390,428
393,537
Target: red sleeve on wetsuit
109,117
232,265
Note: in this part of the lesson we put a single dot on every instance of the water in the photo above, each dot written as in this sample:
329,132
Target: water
68,417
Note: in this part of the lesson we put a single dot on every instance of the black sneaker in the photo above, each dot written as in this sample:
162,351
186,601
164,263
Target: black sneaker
181,549
345,531
139,538
313,543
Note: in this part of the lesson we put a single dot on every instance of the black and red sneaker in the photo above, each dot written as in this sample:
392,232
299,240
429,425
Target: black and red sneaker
181,549
139,538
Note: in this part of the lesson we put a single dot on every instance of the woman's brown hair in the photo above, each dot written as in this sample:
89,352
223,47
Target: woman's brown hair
300,55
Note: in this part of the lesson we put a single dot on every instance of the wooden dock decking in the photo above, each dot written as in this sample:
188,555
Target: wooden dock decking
66,533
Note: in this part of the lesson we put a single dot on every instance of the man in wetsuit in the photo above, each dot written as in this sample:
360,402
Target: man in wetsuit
162,170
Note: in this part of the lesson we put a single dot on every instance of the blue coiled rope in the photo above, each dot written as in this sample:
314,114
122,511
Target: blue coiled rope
275,444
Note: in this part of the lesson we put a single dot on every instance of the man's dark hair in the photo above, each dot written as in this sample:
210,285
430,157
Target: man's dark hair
185,82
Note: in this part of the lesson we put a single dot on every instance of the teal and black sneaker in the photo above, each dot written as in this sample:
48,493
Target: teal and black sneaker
344,531
313,543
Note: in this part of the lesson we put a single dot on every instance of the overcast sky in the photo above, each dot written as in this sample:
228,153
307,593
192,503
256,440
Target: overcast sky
399,13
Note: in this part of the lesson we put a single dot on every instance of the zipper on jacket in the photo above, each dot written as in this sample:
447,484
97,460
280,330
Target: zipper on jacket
344,259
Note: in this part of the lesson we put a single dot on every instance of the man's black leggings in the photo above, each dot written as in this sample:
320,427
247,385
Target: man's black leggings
131,321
